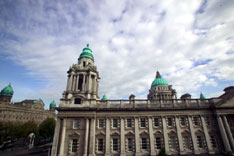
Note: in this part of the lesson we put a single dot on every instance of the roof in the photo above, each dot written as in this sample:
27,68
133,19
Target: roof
86,52
158,81
7,91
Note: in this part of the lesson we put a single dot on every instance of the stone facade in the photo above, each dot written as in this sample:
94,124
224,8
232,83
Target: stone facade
88,126
26,110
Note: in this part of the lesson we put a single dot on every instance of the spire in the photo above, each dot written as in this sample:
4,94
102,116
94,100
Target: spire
158,75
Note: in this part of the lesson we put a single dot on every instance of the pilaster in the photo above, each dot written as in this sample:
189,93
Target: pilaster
178,130
151,135
77,82
92,137
165,135
207,136
137,139
107,137
61,150
56,138
86,137
195,148
122,138
223,134
229,133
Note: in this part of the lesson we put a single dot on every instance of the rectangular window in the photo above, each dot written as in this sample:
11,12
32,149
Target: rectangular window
144,144
115,145
74,145
199,141
172,142
100,145
129,123
158,143
213,141
169,121
76,124
156,122
130,144
101,123
196,121
143,122
186,141
182,121
115,123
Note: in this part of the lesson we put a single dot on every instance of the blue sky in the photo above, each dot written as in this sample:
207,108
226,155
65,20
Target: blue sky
189,42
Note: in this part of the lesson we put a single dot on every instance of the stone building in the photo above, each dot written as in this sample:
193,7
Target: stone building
87,125
26,110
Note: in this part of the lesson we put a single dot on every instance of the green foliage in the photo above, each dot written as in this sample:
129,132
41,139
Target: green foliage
46,128
162,152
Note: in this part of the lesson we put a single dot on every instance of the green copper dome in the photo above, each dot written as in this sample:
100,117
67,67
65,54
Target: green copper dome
202,97
52,104
104,97
7,91
87,52
159,81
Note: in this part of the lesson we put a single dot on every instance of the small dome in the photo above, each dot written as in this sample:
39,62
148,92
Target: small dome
104,97
202,97
7,91
52,104
159,81
87,52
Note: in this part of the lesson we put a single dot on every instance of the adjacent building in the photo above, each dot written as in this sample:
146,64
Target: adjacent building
26,110
87,125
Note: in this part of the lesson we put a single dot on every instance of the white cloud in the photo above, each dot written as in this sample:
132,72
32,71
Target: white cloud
130,41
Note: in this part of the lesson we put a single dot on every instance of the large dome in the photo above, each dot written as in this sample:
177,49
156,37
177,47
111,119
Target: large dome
7,91
159,81
87,52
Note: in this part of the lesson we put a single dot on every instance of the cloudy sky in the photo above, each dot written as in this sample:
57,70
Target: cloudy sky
190,42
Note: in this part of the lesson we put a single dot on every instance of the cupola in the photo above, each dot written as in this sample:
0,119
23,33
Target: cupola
159,81
52,104
104,97
7,91
202,97
87,52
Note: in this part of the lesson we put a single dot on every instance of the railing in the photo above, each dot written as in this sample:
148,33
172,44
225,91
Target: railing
139,103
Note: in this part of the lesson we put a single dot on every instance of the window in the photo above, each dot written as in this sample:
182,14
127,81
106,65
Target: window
129,122
76,123
83,64
115,145
156,122
77,101
115,123
144,144
158,143
200,141
182,121
208,122
101,123
74,145
169,121
100,145
213,141
186,141
196,121
172,142
143,122
130,144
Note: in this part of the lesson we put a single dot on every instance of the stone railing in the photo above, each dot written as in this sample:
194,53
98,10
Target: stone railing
174,103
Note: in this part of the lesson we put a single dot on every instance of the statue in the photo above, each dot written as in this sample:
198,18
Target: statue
31,137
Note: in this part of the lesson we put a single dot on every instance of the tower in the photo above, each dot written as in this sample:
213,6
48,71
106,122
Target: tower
52,106
160,90
83,78
6,94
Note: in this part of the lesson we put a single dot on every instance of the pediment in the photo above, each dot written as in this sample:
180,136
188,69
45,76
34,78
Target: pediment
130,133
143,133
75,134
115,133
100,134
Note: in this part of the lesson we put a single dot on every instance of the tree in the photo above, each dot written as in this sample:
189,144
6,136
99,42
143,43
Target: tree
46,128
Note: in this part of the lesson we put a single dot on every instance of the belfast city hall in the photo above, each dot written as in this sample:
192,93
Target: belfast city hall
89,126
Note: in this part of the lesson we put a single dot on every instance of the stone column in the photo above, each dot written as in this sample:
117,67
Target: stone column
63,134
229,133
151,135
223,134
74,83
178,130
137,139
70,83
195,148
122,138
86,137
207,136
83,84
68,80
56,138
165,135
92,137
107,137
77,82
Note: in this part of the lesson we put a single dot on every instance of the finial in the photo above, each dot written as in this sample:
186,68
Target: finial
87,45
158,75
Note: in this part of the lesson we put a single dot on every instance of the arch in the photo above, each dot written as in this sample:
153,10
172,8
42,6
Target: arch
100,134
